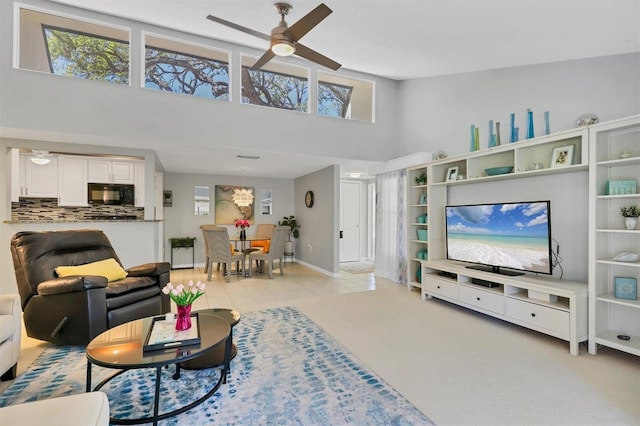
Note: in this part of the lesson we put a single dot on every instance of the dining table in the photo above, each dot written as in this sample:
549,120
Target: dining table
244,245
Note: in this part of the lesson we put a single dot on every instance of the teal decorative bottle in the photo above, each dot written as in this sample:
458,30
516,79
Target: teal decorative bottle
547,128
514,129
472,143
492,136
529,124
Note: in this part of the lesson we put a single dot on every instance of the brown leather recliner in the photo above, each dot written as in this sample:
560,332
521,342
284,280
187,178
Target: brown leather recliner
73,310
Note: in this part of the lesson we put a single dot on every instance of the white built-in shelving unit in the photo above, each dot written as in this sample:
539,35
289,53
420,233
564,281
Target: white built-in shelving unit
611,318
417,225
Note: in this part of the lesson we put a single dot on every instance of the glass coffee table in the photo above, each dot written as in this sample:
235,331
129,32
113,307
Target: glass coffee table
122,348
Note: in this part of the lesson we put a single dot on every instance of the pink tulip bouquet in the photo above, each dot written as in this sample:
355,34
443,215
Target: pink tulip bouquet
184,295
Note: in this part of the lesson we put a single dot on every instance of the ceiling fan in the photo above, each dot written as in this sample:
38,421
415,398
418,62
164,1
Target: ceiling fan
284,38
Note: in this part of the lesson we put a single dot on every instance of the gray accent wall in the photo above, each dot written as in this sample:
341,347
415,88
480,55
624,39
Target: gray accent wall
318,245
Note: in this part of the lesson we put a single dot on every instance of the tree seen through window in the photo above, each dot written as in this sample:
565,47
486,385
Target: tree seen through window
182,73
87,56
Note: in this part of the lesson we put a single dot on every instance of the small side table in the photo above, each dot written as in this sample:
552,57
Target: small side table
184,242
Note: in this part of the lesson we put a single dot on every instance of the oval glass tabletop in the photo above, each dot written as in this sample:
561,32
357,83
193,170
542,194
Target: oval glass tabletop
122,346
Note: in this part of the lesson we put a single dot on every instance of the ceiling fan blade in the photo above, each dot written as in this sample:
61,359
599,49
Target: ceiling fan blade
239,27
312,55
268,55
307,22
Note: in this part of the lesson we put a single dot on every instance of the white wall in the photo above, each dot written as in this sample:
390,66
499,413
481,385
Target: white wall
180,220
95,112
435,113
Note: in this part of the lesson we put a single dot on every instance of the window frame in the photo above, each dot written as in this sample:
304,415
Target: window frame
81,20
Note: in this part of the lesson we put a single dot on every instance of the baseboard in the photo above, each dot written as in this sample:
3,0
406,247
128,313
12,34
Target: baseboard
317,269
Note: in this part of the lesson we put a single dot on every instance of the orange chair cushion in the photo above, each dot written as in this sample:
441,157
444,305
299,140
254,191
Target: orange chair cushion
264,244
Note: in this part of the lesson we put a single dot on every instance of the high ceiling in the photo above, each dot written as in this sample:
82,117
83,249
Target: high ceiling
403,39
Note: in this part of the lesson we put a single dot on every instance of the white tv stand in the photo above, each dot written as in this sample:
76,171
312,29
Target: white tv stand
554,307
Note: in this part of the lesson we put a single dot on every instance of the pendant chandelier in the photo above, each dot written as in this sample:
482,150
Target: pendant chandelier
242,197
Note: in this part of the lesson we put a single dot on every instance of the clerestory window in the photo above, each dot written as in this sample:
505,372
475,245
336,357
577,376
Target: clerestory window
86,56
275,85
183,68
344,97
64,46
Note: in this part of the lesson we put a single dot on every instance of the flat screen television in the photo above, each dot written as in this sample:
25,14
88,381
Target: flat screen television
514,236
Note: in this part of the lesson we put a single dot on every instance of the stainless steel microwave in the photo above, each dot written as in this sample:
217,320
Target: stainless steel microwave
111,194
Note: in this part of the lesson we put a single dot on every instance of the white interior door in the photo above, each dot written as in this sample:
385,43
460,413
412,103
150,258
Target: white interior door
350,221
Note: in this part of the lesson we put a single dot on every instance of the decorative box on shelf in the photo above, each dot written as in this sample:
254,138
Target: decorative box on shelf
621,187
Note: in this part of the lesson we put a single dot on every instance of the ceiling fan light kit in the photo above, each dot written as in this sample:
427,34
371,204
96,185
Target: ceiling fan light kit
282,47
284,40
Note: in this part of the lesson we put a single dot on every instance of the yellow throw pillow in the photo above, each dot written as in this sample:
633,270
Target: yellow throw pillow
108,268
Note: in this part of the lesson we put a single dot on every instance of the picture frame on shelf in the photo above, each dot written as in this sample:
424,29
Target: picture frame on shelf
562,156
625,288
452,174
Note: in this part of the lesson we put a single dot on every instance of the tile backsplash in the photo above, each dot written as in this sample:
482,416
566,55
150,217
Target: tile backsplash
47,209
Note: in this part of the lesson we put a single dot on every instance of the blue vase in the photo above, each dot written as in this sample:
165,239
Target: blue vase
492,136
547,128
529,124
472,144
513,137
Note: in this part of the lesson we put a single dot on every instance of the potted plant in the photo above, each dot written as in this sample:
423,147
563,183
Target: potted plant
178,242
630,214
422,179
293,231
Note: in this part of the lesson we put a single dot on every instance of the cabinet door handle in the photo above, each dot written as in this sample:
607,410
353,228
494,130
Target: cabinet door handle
438,286
477,298
533,314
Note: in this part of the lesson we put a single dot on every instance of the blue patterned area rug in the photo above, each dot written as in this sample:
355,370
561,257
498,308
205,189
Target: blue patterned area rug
288,371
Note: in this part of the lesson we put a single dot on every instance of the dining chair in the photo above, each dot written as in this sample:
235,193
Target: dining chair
206,246
219,250
275,251
262,238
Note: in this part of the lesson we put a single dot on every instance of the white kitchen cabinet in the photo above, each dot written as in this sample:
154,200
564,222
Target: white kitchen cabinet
139,184
111,171
38,180
72,181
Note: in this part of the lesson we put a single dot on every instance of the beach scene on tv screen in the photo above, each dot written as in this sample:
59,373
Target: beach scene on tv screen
512,235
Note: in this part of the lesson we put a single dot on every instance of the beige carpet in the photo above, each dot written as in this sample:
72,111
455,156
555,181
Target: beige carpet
357,267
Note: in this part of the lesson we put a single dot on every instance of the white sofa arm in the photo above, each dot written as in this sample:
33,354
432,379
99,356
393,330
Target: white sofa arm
85,409
11,333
